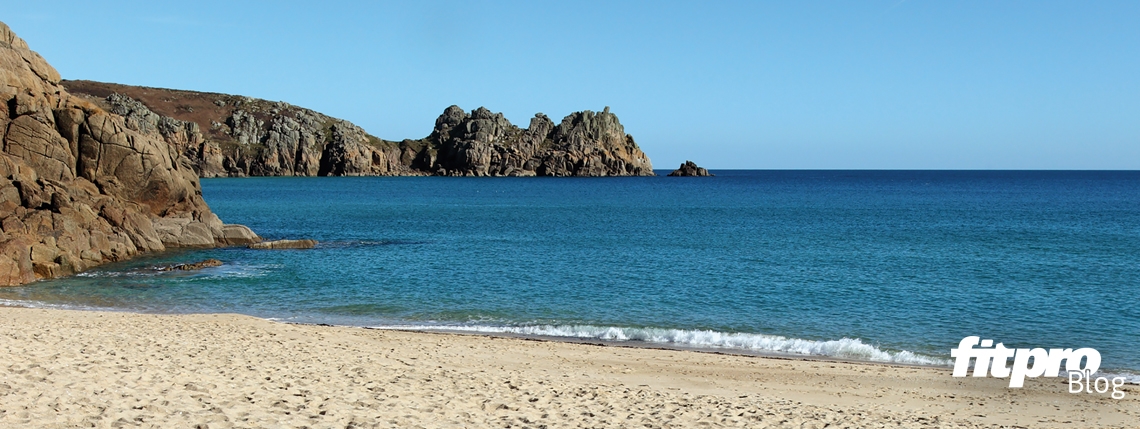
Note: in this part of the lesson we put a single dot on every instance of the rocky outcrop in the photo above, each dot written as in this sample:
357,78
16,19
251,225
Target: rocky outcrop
284,244
226,135
81,186
483,143
690,169
193,266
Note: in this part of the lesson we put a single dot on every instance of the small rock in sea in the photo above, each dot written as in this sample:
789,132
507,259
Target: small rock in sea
193,266
690,169
284,244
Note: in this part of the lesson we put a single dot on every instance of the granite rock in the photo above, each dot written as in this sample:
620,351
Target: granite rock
233,136
81,185
483,143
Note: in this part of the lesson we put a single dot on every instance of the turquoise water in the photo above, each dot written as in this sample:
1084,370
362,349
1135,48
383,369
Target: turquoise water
871,265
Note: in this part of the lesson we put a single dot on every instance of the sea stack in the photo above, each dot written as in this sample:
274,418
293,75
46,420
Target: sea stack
81,186
690,169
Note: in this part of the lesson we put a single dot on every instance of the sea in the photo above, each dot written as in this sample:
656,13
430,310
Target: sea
881,266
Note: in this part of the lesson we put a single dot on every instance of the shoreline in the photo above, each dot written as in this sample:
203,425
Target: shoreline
1132,377
633,343
71,367
726,351
639,344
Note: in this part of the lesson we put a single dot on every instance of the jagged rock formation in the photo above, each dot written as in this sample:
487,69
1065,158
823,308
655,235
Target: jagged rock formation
226,135
486,144
80,186
690,169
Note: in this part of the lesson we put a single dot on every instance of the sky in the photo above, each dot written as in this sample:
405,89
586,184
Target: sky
892,84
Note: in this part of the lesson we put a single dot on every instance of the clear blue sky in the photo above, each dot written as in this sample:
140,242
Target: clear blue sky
872,84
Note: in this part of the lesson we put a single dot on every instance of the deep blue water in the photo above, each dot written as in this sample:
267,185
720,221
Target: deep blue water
855,264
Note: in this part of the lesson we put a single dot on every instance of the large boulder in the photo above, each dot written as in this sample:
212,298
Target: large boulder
237,235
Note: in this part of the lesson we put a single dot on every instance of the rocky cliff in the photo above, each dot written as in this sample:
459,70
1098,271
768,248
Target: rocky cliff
81,186
227,135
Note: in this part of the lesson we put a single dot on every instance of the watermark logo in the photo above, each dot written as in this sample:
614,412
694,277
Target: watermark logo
994,360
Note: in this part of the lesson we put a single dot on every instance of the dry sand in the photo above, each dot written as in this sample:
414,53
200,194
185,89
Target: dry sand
93,369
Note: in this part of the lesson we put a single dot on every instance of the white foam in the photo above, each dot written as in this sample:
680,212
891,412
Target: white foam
51,306
845,348
1129,377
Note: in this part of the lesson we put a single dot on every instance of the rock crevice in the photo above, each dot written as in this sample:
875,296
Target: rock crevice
81,186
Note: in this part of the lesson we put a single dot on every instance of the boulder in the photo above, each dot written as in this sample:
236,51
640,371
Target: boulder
184,232
237,235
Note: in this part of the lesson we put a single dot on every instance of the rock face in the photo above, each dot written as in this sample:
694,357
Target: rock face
233,136
226,135
81,186
690,169
483,143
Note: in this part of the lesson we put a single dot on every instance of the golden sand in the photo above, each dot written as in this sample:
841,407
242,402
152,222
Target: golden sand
62,368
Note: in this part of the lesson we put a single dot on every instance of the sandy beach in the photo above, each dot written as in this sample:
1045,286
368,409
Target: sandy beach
66,368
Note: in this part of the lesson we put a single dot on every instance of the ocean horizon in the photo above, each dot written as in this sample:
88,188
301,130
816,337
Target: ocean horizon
865,265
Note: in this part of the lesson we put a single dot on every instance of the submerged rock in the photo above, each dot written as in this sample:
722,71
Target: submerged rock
690,169
284,244
193,266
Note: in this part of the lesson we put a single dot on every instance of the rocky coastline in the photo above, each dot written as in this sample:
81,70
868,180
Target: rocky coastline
80,186
233,136
92,172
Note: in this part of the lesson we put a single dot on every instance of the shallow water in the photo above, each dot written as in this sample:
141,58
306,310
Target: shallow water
867,265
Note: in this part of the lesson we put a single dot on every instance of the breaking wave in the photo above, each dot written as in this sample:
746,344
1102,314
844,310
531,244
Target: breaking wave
845,348
20,303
